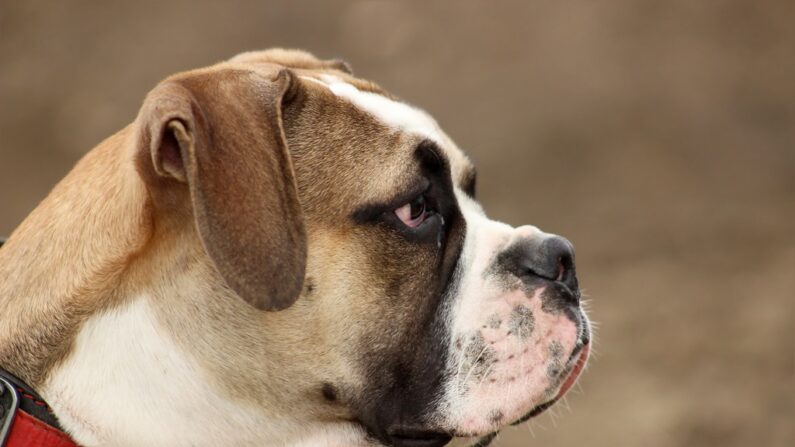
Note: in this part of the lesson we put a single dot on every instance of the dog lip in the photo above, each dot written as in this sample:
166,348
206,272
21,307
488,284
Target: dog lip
418,437
538,409
579,365
571,377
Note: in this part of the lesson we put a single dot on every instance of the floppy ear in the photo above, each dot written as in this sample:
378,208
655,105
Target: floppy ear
220,136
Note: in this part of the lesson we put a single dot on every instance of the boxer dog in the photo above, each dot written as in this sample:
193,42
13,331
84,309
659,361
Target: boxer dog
278,253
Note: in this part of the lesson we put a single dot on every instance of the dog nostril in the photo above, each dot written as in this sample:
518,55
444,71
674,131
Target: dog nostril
566,267
550,258
564,253
561,270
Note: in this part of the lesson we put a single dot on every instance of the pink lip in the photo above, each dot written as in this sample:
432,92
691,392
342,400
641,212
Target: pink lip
575,372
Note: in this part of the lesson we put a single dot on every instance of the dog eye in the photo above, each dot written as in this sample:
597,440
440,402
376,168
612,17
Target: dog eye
413,213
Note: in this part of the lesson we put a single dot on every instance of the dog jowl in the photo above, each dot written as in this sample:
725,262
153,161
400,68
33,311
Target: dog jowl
279,253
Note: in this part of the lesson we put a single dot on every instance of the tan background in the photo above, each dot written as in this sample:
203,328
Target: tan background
658,136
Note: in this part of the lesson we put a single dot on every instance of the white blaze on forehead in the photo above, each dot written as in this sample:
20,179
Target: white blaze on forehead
392,113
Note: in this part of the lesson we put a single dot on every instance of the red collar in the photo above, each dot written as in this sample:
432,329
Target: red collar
27,431
25,419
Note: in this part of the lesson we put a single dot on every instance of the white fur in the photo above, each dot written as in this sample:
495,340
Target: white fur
127,384
484,238
395,114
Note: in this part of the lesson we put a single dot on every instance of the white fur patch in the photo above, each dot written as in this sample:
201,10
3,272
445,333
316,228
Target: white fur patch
127,384
395,114
141,389
483,397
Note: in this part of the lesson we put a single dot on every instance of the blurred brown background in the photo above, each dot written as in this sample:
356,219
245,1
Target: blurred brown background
659,136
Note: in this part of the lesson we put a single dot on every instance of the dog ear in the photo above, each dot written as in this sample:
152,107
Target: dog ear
220,136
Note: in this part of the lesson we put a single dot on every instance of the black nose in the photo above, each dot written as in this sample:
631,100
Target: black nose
550,258
417,438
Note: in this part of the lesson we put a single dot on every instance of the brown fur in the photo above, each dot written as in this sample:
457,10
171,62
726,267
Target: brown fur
232,158
65,261
194,231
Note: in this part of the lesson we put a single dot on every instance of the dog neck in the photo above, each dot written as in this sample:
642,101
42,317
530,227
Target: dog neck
182,384
66,257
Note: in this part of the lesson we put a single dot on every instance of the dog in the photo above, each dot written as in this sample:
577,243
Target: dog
278,253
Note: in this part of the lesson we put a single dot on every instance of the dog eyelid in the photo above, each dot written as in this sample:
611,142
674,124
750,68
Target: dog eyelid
413,213
371,211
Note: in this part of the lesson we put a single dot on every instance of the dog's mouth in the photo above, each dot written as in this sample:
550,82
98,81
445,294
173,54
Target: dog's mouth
413,437
577,363
424,435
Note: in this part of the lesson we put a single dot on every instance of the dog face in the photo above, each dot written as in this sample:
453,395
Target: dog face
453,324
407,316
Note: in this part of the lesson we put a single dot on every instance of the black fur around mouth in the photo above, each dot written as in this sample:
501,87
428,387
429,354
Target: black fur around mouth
486,440
538,409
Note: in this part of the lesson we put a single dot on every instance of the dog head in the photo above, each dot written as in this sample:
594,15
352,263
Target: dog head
379,303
